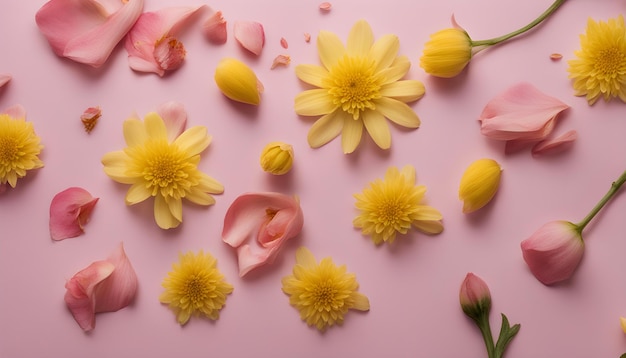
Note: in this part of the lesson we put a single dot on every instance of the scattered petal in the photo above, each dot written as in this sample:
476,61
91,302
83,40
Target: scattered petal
238,82
4,79
622,322
103,286
269,219
325,6
558,144
83,30
214,28
90,118
281,60
70,210
174,117
479,184
307,37
250,35
556,56
283,43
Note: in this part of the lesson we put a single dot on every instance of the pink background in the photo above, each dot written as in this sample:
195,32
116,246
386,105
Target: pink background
412,285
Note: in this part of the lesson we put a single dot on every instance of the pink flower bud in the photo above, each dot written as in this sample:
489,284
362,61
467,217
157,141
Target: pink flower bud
554,251
474,296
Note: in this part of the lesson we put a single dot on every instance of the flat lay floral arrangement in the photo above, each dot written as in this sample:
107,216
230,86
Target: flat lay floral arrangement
313,179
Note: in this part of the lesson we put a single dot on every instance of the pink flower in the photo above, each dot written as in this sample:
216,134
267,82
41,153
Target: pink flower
70,210
87,31
270,219
554,251
474,296
152,44
104,286
521,113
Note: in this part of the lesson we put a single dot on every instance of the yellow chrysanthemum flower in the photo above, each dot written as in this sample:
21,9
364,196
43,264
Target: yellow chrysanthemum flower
322,292
358,86
19,149
195,286
600,67
394,204
164,169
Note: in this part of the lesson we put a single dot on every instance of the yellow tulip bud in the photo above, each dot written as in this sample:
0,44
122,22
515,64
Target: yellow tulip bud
479,184
447,53
277,158
238,82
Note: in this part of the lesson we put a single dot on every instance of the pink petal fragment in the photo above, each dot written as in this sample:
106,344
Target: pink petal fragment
152,45
283,43
174,116
214,28
84,30
90,117
555,145
325,6
104,286
307,37
70,210
16,111
250,35
4,79
281,60
267,219
520,113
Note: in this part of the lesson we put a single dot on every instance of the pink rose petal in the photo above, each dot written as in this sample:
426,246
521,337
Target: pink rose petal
281,60
283,43
266,219
104,286
325,6
555,145
86,31
70,210
250,35
4,79
174,116
520,113
214,28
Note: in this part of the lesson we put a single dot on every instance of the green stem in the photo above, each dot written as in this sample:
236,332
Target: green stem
485,329
596,209
536,22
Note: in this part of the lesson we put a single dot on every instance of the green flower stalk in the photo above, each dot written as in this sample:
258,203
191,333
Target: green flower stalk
449,51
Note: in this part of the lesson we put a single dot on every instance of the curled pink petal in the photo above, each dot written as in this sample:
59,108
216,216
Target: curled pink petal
90,117
554,251
283,43
281,60
268,219
214,28
520,113
152,45
250,35
174,116
326,6
104,286
555,145
4,79
70,210
87,31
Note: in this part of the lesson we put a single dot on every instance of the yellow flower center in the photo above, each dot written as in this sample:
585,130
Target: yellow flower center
9,150
353,84
390,211
610,62
196,289
324,294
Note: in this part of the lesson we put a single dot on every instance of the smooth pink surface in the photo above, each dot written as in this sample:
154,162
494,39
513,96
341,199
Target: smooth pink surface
413,286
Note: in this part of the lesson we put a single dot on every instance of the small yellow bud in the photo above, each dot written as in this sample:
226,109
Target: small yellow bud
277,158
238,82
447,53
479,184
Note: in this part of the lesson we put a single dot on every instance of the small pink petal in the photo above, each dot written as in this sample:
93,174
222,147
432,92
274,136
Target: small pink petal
268,219
90,117
70,210
174,116
521,112
16,111
558,144
307,37
325,6
104,286
281,60
4,79
283,43
84,30
214,28
250,35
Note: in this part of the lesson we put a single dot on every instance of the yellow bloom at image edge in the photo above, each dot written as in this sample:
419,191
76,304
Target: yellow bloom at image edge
19,149
195,287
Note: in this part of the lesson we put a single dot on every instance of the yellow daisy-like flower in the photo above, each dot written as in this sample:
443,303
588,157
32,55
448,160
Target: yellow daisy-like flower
19,149
600,67
394,205
358,86
195,286
166,170
322,292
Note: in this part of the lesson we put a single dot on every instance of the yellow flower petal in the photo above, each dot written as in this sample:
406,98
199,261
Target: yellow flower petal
479,184
408,171
312,74
329,48
351,134
194,140
326,128
134,132
210,185
199,197
405,91
155,127
116,168
162,214
398,69
137,193
360,39
361,302
398,112
384,51
429,227
176,208
314,102
377,127
305,258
